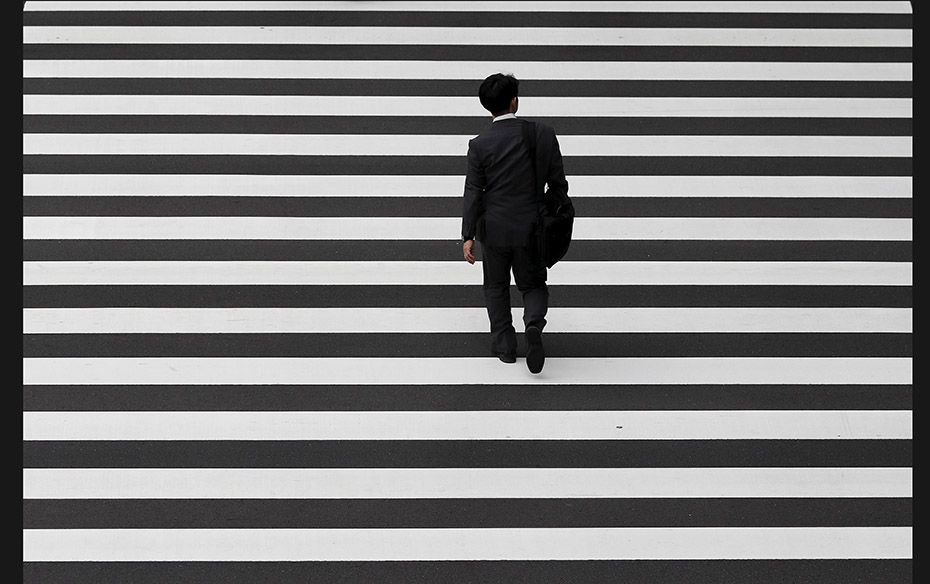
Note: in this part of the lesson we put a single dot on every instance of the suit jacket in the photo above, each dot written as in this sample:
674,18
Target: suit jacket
501,205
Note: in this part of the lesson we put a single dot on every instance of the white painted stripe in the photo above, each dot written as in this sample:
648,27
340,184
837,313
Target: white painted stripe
435,320
588,543
391,35
427,273
477,70
471,425
461,370
402,483
342,105
451,186
438,145
485,6
442,228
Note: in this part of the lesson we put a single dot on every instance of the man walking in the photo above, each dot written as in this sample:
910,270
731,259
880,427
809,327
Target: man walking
501,209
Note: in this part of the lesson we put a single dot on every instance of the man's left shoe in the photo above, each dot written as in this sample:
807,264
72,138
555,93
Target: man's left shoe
535,355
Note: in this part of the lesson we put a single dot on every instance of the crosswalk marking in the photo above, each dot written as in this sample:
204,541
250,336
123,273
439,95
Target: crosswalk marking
465,106
467,544
338,483
377,144
431,272
431,228
484,425
465,36
574,5
362,320
448,186
349,69
462,370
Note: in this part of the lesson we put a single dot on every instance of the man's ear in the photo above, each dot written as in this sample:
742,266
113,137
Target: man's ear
514,104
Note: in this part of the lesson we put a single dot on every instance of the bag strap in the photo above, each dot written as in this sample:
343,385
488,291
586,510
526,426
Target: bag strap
529,137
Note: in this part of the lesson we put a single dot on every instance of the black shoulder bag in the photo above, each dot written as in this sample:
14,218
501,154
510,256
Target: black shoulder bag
556,213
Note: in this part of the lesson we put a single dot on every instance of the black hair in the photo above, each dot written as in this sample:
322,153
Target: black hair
496,92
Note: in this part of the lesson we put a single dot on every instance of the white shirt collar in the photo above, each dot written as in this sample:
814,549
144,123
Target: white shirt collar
504,117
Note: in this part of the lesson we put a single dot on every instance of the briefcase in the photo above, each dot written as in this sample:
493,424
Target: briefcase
555,229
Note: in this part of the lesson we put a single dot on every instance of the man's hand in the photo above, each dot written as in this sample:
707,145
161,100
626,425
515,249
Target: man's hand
468,248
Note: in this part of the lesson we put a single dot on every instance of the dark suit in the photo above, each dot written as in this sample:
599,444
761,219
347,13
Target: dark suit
501,210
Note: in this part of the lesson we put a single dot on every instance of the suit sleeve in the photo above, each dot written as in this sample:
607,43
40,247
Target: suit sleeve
473,203
555,175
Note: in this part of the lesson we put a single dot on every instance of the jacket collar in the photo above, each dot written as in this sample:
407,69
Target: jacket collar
504,117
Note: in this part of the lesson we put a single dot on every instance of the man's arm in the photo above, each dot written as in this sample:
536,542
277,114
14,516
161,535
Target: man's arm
473,201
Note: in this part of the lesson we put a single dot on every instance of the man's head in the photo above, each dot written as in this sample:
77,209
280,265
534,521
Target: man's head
498,94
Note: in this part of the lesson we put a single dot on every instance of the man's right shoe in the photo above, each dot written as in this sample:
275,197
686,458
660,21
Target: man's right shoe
507,357
535,355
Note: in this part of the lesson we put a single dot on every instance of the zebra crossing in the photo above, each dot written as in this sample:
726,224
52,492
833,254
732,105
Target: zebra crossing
252,351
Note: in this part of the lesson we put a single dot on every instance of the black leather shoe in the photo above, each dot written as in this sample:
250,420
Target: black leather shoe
535,355
507,357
